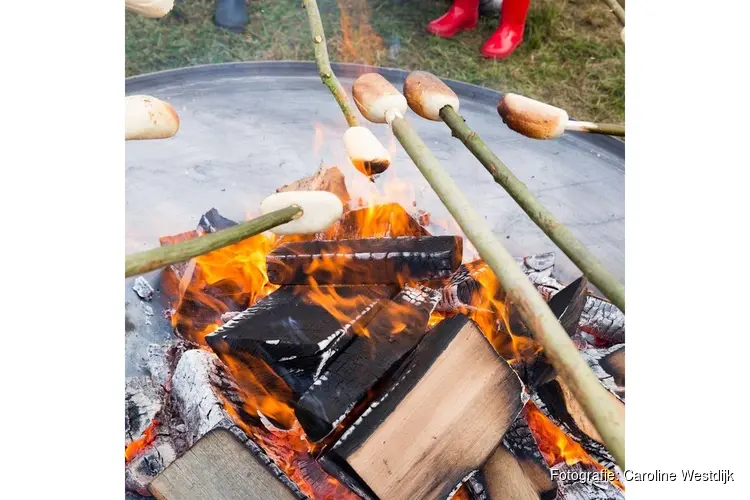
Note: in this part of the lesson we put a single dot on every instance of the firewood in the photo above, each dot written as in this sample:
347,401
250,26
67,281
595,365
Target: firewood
324,179
378,101
391,334
218,466
517,470
364,261
212,221
390,220
448,406
156,258
572,488
295,336
609,365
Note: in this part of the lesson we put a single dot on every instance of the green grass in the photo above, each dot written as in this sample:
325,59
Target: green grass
572,55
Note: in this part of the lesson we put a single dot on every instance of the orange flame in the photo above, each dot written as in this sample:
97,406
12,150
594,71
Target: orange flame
556,446
148,437
360,43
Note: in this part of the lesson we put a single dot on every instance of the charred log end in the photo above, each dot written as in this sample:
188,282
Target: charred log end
375,351
448,406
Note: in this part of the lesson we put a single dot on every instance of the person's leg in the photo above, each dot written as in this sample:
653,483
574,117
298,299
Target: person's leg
462,15
231,15
509,34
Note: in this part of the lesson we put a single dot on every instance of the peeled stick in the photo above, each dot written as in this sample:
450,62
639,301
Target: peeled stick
320,209
539,120
147,117
426,95
365,151
377,99
149,8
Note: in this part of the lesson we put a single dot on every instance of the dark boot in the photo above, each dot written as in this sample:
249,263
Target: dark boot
231,15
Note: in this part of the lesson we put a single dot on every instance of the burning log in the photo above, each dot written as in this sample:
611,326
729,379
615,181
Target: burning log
449,405
517,470
383,261
156,258
390,220
324,179
292,333
609,366
596,450
374,352
218,466
212,221
561,404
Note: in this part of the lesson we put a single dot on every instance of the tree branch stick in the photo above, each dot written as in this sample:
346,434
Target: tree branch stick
597,402
324,65
615,7
596,128
157,258
561,235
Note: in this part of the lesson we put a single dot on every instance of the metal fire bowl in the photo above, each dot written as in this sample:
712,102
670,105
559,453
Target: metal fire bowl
248,128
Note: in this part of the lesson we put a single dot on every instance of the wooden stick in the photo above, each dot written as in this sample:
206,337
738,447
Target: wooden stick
149,8
607,417
324,65
432,99
156,258
561,235
617,9
596,128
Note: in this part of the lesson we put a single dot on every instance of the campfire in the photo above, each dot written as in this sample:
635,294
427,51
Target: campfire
379,359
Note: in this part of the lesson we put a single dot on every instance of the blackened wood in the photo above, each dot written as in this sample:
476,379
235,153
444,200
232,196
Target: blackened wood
572,488
609,365
364,261
569,303
604,321
464,289
392,333
293,334
517,469
594,448
213,221
218,466
448,405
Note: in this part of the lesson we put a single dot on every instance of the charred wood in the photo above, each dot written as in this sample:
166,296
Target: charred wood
570,488
295,336
392,333
381,261
594,448
609,365
517,469
448,406
213,221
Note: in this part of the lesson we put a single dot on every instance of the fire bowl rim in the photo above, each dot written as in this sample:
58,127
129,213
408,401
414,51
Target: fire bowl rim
465,91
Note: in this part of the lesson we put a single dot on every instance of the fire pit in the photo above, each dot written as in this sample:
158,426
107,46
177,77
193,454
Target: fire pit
290,393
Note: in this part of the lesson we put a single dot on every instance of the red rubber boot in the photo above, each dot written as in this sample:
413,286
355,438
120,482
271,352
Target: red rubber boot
509,34
463,15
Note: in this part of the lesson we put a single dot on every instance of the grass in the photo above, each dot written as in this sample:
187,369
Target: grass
572,55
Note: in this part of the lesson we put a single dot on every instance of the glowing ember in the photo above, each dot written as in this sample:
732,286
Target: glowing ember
555,445
135,447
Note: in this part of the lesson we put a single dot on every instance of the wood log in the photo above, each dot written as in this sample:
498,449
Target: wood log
293,334
609,365
218,466
324,179
390,220
385,261
448,406
392,333
517,470
596,450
